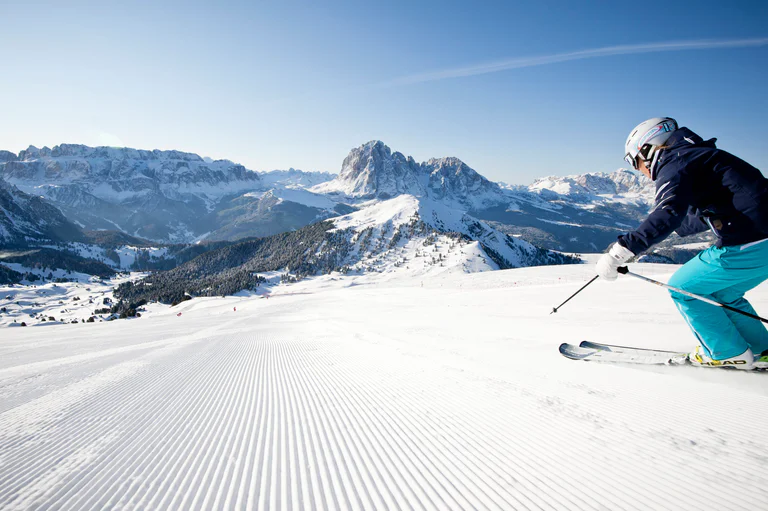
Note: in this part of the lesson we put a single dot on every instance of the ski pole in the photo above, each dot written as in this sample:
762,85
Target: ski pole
554,309
625,271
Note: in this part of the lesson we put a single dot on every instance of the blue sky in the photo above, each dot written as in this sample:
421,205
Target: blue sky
283,84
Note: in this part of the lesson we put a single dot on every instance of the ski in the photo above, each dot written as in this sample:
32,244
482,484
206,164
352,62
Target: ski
629,356
598,352
627,349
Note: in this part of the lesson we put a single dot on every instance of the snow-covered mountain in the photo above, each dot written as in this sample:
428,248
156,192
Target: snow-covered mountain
167,196
294,178
405,235
401,229
581,213
573,213
264,213
171,196
123,173
616,185
25,218
374,171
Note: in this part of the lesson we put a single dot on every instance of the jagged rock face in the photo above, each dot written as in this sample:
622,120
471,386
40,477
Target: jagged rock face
374,171
6,156
107,153
124,170
71,195
161,195
166,196
27,218
450,178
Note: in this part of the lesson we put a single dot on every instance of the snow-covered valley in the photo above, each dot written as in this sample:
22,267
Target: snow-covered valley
435,391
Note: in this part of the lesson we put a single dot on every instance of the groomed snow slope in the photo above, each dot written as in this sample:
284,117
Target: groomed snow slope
446,393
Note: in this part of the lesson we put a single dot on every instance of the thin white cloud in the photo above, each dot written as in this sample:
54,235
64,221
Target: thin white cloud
517,63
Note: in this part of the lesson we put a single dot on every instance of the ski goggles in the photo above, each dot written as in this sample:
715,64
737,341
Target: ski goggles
644,153
631,160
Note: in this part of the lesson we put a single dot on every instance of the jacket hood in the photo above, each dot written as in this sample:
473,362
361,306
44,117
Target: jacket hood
682,137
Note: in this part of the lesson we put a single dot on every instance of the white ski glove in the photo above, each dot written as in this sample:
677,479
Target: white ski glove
616,256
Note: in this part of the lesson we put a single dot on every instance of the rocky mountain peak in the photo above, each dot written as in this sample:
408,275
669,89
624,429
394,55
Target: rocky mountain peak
374,171
6,156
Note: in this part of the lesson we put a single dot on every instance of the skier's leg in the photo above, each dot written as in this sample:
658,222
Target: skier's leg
705,275
748,259
753,331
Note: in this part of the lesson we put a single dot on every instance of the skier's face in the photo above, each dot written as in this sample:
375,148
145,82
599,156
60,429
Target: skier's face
642,168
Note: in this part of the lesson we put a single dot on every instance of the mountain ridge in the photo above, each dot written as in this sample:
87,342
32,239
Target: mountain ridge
373,170
178,197
26,217
166,196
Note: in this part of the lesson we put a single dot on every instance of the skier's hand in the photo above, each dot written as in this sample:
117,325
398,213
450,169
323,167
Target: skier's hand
616,256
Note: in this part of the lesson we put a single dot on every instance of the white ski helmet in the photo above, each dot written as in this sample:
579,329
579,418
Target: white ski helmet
646,138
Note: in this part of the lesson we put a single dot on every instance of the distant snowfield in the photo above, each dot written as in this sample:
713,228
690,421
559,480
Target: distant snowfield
64,302
445,392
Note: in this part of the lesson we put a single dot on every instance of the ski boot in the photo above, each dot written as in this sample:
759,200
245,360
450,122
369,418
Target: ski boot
761,361
745,361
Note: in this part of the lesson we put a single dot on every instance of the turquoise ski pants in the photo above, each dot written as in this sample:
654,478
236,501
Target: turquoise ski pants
723,274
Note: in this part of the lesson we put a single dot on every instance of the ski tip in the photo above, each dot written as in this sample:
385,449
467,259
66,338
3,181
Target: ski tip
565,350
574,352
594,346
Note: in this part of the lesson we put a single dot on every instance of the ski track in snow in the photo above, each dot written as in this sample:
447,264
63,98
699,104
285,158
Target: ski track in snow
379,397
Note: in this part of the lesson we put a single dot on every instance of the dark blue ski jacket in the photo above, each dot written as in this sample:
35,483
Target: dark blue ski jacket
700,187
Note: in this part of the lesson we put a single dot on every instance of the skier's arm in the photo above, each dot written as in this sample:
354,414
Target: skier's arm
673,197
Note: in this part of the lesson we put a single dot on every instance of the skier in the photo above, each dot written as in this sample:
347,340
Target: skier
700,187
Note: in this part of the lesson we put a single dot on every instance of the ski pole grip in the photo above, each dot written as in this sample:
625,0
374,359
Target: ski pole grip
623,270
